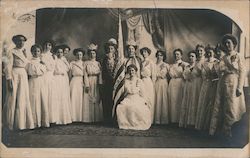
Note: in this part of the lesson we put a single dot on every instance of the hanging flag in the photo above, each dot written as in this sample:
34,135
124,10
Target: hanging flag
118,91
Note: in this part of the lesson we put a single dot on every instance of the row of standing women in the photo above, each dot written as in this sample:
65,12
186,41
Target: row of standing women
205,93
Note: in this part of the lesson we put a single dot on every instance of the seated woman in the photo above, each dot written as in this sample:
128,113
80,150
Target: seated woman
133,112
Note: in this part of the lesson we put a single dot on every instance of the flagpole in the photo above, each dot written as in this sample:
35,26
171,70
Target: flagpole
120,37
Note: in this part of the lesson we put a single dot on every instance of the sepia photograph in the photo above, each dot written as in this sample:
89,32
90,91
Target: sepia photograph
110,78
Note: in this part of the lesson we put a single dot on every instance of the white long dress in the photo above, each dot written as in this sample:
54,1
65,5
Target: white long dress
50,92
161,95
40,109
76,90
175,89
62,81
148,74
133,112
17,106
92,107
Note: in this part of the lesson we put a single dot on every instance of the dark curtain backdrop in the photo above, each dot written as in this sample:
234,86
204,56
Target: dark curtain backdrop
185,28
76,27
169,28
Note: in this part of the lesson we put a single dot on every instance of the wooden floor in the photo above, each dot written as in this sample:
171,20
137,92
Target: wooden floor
174,138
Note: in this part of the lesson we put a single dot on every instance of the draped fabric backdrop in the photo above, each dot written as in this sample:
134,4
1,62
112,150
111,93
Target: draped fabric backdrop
76,27
186,28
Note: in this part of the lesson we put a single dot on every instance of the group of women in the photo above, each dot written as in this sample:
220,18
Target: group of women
205,93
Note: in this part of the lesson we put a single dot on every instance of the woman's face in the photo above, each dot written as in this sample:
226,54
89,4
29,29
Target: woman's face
220,54
131,72
159,57
229,45
131,51
200,51
177,55
111,49
145,53
60,53
36,53
92,54
79,55
210,53
48,46
20,43
192,57
66,51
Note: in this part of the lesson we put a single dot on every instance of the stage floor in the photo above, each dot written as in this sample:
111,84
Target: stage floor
82,135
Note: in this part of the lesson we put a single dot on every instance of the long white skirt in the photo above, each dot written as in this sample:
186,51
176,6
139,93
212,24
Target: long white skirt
63,110
133,113
76,96
161,102
39,106
17,106
92,106
150,95
175,94
50,94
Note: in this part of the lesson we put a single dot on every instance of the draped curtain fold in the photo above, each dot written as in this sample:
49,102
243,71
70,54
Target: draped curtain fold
152,25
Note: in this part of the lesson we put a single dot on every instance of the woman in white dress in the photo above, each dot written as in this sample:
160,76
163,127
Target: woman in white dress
148,75
161,89
92,109
36,70
50,88
77,85
190,97
231,92
133,112
176,85
216,113
207,92
62,82
17,106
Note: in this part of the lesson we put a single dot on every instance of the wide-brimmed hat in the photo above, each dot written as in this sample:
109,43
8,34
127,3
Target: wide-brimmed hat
231,37
75,51
92,46
111,42
18,37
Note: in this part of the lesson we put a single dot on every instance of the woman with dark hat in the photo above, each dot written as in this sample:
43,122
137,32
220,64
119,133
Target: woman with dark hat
231,103
93,110
49,96
17,106
77,85
108,75
61,111
148,75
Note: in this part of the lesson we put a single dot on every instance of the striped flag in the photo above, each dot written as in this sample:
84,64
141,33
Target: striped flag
118,91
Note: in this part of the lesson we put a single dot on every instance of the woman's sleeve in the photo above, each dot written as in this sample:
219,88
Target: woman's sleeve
153,72
100,75
241,78
85,77
142,88
186,73
70,71
9,66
